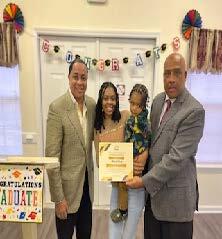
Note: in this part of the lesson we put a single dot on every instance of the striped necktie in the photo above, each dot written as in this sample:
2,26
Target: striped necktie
166,110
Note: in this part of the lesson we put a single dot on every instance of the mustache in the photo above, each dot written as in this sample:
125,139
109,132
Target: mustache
171,85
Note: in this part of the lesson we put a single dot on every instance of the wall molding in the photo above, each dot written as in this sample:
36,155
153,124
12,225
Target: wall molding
209,209
109,33
209,168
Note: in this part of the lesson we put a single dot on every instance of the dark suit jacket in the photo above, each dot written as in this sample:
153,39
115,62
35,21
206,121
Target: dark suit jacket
64,139
171,179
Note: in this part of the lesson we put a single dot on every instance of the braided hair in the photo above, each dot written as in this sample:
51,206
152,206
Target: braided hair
142,90
116,116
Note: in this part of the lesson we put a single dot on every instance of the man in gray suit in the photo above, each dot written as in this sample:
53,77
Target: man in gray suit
69,137
177,122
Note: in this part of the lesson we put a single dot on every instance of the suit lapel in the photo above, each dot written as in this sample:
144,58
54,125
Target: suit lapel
156,117
74,118
173,110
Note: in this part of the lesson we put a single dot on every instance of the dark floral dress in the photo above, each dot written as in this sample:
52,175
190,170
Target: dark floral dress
137,131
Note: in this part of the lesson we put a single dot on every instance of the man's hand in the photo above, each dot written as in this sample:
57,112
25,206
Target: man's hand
61,209
135,182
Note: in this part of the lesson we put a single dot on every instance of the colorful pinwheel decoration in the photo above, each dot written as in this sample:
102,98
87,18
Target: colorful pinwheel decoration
12,13
192,19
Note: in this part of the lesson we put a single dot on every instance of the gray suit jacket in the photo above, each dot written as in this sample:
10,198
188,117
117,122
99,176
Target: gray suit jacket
64,139
171,180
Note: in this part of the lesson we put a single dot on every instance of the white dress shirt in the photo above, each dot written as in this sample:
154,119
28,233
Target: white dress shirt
82,115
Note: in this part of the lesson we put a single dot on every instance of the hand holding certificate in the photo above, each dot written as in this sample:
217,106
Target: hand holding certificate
115,161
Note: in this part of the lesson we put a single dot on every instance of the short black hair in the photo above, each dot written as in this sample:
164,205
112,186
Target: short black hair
76,60
116,116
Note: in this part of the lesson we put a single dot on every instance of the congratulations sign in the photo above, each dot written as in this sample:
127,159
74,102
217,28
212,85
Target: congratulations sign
21,193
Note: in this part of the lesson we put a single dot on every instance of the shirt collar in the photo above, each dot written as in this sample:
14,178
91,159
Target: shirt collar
73,98
167,98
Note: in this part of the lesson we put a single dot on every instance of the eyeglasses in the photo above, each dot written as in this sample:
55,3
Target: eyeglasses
176,72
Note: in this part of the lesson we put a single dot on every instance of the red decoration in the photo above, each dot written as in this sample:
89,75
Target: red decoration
32,215
115,64
45,45
101,65
176,43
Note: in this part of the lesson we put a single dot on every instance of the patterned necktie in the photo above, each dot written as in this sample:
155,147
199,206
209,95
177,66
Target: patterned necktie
166,110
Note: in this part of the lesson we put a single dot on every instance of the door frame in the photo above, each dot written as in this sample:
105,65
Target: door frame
110,33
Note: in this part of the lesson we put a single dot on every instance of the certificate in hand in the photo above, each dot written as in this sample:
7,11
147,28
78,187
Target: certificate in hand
115,161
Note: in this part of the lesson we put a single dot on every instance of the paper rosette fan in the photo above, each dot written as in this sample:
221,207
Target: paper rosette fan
12,13
192,19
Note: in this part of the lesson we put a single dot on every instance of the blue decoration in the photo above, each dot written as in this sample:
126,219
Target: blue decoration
69,57
22,215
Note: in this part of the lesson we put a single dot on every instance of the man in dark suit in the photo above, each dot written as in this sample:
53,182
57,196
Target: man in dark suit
177,122
69,137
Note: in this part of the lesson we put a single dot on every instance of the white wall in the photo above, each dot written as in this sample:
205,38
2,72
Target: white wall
142,15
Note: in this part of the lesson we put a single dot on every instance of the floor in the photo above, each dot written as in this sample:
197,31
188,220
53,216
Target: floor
206,226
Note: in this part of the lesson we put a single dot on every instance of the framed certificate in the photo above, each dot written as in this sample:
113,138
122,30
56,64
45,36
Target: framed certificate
115,161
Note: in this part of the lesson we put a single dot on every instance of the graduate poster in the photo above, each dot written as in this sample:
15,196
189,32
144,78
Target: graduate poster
21,193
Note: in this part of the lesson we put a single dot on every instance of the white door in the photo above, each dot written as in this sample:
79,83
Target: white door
129,74
54,81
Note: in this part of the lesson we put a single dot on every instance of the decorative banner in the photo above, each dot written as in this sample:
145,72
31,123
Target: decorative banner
100,65
87,61
139,61
45,45
156,52
21,193
107,62
56,49
163,47
69,57
176,43
148,54
94,62
125,60
115,64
